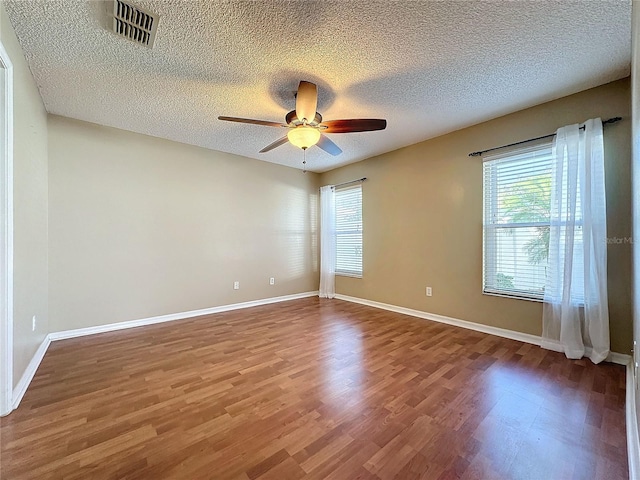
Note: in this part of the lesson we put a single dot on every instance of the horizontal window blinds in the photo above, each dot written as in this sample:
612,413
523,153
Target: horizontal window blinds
517,200
349,231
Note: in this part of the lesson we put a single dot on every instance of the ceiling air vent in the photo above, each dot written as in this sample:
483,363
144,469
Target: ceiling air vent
134,23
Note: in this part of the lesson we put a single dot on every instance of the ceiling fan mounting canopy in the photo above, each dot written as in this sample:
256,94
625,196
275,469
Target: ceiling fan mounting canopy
306,127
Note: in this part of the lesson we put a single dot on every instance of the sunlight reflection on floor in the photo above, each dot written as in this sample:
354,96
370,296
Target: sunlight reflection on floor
343,369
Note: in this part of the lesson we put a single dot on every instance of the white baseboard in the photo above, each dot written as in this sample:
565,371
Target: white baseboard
27,376
619,358
110,327
633,440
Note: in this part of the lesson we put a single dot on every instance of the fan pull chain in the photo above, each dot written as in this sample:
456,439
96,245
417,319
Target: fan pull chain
304,160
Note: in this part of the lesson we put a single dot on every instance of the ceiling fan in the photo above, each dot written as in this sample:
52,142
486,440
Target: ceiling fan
306,127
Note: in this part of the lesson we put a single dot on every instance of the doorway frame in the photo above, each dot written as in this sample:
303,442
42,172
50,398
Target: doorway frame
6,232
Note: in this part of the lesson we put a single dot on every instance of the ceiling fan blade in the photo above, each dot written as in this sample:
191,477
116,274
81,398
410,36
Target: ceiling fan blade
328,146
254,122
277,143
306,101
354,125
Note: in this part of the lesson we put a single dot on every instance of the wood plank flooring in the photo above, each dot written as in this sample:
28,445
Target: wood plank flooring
314,389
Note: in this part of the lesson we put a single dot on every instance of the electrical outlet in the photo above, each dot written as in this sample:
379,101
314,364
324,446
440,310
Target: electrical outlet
33,324
236,285
272,281
429,292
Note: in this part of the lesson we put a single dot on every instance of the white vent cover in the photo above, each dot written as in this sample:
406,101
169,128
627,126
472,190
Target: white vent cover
134,23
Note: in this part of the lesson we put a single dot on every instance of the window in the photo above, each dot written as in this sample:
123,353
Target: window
517,204
349,231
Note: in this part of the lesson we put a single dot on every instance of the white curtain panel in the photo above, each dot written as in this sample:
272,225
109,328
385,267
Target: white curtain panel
327,242
575,312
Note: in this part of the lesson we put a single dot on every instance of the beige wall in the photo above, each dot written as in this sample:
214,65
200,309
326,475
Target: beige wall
141,227
422,208
30,206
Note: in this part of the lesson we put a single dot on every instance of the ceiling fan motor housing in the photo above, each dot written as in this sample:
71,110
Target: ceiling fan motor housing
292,119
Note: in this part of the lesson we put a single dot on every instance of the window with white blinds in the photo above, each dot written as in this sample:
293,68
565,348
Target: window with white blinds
517,204
349,231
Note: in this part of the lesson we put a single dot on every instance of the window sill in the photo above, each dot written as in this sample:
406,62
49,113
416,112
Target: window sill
514,297
352,275
529,299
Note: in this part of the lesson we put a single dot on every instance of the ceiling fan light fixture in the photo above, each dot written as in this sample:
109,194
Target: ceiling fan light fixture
304,137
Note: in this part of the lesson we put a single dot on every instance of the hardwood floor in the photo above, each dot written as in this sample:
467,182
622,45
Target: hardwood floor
314,389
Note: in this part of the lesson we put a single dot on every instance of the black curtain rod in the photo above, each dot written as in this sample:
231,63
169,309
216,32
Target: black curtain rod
477,154
349,183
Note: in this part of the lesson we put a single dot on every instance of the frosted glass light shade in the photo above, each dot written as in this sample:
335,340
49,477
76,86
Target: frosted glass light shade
303,136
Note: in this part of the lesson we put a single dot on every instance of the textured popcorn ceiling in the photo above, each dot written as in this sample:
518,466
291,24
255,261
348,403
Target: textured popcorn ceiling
427,67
